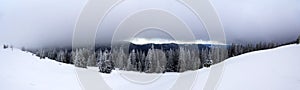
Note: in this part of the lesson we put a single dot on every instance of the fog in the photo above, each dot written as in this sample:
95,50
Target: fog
50,23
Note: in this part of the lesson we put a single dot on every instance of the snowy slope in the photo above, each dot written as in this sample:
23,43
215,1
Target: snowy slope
22,71
274,69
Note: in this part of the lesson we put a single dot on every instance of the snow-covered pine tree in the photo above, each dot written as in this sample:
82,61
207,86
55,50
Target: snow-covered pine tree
131,62
120,59
140,58
205,56
52,53
196,62
170,67
154,61
41,53
81,58
105,63
148,61
224,53
72,55
143,61
182,60
161,61
213,54
208,61
189,59
100,58
114,56
92,61
61,56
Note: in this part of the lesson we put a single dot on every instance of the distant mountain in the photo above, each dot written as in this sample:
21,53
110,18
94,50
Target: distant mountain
164,47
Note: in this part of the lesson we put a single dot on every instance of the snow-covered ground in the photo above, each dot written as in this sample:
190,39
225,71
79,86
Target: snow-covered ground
23,71
274,69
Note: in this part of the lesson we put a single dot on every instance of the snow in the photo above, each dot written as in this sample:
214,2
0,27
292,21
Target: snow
22,71
273,69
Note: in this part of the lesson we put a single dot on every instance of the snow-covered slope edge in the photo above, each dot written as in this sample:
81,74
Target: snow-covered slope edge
22,71
273,69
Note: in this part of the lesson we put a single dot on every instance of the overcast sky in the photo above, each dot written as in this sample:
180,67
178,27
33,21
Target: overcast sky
45,23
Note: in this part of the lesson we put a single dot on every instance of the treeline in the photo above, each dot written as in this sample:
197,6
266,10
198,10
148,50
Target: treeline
150,61
153,60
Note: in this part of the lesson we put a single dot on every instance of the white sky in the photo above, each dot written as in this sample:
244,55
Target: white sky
43,23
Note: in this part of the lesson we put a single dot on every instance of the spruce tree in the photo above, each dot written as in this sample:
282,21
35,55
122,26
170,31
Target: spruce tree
120,59
61,56
149,60
105,63
92,59
131,62
182,60
81,57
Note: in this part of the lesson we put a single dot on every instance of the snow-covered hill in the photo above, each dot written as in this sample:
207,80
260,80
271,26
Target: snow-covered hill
274,69
23,71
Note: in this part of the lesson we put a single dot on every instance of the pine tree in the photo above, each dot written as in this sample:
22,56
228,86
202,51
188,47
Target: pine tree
61,56
92,59
181,60
140,61
100,58
170,67
161,61
73,55
120,59
196,61
149,60
52,53
208,61
81,58
105,63
41,53
131,62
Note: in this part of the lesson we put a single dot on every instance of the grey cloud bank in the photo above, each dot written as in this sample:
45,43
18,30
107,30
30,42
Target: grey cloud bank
255,20
48,23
